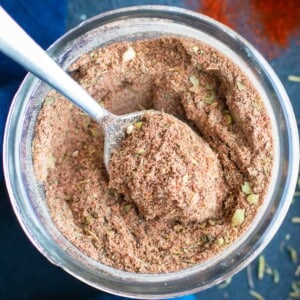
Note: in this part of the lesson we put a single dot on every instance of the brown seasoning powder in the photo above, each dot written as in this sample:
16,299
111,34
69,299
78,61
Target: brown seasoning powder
182,77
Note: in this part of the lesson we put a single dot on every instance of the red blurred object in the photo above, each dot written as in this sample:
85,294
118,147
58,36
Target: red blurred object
268,24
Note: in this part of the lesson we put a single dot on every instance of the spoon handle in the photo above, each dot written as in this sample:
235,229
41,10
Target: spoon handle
18,45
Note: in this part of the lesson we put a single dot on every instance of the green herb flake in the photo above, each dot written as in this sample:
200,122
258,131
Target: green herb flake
220,241
51,161
210,100
83,181
296,220
138,125
228,118
88,220
186,251
90,233
195,48
185,178
173,69
209,87
276,276
268,270
93,55
246,188
81,113
250,277
238,217
212,222
49,100
294,78
198,66
297,272
295,287
253,199
112,193
287,237
240,86
261,267
193,161
93,81
225,283
127,208
293,254
294,295
203,225
256,295
194,80
140,151
95,132
256,104
209,237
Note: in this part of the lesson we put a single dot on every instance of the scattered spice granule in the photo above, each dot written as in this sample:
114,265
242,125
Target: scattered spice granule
238,217
225,283
293,254
154,74
253,199
246,188
296,220
297,272
256,295
268,270
294,78
250,277
282,246
261,267
294,295
276,276
295,286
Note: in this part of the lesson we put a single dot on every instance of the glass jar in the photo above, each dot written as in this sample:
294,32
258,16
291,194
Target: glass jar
26,194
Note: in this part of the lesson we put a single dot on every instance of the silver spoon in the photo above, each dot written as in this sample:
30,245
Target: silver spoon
18,45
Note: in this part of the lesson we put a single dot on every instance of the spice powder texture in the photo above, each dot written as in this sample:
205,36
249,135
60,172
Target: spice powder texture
205,90
168,171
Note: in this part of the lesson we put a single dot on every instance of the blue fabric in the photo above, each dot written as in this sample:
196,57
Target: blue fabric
45,22
24,272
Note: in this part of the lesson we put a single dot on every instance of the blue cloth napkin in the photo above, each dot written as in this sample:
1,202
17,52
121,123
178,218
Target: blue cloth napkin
45,22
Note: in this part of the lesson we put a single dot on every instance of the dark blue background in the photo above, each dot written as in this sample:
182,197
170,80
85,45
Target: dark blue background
24,272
